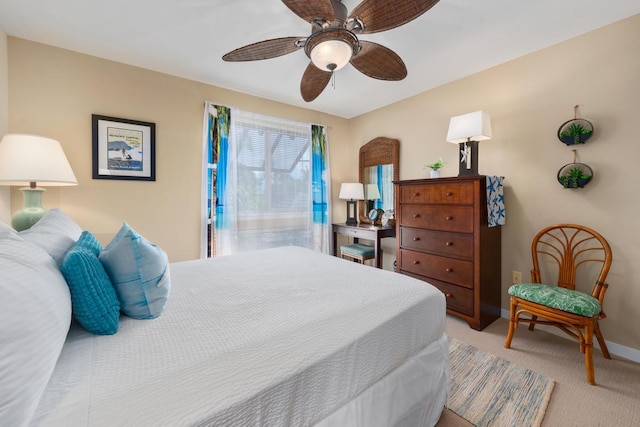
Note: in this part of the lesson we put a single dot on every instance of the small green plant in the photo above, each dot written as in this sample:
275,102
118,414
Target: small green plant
437,165
575,178
575,131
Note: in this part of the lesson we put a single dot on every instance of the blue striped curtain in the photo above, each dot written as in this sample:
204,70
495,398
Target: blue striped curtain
217,204
223,203
224,233
320,188
380,183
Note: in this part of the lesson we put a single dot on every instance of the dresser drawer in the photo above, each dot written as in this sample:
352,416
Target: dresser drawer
459,299
442,242
456,193
450,270
438,217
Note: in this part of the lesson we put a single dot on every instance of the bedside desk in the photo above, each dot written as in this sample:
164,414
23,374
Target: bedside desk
363,231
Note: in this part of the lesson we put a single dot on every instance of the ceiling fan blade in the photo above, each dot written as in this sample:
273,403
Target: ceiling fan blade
314,80
308,10
377,15
379,62
263,50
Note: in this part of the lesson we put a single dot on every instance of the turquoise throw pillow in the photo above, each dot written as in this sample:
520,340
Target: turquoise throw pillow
139,271
88,241
94,302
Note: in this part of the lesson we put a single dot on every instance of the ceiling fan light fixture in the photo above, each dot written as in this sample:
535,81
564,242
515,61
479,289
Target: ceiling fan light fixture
331,49
331,55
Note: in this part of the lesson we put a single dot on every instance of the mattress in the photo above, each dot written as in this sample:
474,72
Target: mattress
277,337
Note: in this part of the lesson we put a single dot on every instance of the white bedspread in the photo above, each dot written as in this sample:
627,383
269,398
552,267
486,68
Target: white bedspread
278,337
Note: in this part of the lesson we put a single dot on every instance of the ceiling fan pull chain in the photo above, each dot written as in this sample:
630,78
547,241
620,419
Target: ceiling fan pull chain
333,80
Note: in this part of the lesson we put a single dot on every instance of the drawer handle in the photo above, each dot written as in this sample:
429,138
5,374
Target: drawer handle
449,193
448,244
449,270
448,295
416,262
448,218
416,215
416,194
415,239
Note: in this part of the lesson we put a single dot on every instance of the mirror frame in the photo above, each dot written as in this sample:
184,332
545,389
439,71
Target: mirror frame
378,151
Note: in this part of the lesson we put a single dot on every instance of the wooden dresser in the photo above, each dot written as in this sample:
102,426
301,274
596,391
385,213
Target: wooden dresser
443,239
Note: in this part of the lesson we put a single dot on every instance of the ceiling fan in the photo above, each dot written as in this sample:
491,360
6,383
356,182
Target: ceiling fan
333,42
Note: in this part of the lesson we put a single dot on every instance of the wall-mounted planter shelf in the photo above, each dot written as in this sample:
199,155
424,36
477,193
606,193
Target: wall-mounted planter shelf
575,175
575,131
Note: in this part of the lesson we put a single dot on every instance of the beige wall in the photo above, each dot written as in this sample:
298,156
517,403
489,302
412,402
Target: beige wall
528,100
5,212
54,92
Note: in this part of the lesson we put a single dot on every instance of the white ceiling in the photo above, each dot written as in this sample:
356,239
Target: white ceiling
187,38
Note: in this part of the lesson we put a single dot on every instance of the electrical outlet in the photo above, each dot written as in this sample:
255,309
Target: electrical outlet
516,277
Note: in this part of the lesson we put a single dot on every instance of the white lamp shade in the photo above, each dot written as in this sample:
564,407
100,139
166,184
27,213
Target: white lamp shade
30,158
474,126
371,192
352,191
331,55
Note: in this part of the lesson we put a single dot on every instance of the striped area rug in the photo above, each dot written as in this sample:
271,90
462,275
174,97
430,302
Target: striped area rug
487,390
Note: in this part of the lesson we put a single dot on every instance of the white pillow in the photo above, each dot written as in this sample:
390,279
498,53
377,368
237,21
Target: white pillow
6,230
35,315
55,232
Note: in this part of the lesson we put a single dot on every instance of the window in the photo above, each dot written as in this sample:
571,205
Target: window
269,178
273,181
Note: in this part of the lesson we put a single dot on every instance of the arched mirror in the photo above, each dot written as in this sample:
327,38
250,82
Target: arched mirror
379,167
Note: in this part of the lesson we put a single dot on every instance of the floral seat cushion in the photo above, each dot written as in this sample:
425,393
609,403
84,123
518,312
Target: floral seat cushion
556,297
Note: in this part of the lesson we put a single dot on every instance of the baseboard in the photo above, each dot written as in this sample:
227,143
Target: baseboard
614,348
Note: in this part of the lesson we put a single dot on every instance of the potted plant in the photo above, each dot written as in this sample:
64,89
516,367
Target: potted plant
574,178
435,168
577,131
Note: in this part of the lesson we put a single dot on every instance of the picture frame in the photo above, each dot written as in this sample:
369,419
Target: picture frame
123,149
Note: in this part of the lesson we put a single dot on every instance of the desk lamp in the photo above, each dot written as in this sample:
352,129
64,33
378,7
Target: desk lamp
466,130
31,160
352,191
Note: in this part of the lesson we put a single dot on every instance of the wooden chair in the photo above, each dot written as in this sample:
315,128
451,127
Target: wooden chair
576,313
357,252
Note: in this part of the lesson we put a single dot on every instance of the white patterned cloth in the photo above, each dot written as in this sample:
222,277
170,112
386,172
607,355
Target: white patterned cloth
495,201
279,337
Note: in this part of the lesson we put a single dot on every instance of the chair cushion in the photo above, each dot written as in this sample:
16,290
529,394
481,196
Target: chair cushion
556,297
358,249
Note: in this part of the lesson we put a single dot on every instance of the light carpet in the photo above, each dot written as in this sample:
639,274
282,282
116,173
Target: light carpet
487,390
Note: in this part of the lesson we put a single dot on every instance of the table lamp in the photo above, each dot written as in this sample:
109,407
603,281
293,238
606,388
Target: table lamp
371,193
31,160
351,191
466,130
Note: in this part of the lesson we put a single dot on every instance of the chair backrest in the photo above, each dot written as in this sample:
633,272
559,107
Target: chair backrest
571,246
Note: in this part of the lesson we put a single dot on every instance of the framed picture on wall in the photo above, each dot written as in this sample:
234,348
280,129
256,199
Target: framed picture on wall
123,149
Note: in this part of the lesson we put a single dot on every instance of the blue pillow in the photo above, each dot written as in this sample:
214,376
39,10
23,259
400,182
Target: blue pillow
90,242
94,302
139,271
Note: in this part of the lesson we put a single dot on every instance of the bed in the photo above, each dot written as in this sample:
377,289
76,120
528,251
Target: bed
277,337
